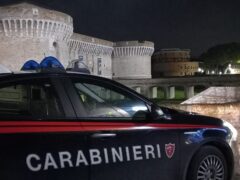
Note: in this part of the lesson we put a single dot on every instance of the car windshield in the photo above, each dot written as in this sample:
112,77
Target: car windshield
101,101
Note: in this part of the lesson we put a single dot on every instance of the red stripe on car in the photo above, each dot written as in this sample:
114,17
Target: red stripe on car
41,127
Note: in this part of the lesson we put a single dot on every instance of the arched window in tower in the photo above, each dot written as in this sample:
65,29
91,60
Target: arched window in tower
55,44
1,26
35,11
80,58
12,26
18,24
45,29
56,48
24,27
99,66
29,28
35,27
39,31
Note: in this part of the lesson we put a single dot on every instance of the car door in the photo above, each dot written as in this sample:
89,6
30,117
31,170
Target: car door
40,138
125,142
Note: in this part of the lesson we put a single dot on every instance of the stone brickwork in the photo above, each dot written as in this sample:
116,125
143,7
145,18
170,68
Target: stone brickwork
30,32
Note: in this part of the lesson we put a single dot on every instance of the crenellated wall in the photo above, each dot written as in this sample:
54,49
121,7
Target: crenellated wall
31,32
35,28
132,59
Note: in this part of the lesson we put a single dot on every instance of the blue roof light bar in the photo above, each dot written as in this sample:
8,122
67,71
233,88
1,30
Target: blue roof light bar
30,65
48,64
51,64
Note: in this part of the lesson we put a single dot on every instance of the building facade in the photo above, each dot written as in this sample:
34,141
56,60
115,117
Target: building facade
173,62
28,32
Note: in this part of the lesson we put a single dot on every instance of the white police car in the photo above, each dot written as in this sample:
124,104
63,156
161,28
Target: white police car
57,125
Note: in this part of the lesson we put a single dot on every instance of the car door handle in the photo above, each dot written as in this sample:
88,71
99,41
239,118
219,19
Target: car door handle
104,135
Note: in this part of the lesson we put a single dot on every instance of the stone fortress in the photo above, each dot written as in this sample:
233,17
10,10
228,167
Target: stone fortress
29,32
173,62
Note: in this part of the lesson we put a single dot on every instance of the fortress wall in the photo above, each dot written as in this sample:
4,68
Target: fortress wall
132,67
106,66
62,52
13,53
31,32
96,53
132,59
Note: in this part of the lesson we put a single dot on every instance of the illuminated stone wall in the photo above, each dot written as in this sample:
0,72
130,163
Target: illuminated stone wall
173,62
172,55
95,53
174,68
229,111
31,32
132,59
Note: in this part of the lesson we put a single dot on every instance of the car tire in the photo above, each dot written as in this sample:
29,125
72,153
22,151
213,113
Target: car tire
209,163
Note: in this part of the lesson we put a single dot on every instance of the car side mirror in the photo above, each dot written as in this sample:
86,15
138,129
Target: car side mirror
158,113
141,115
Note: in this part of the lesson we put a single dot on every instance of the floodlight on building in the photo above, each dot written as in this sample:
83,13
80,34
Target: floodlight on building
230,69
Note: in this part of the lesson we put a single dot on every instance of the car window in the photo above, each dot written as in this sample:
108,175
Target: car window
101,100
33,99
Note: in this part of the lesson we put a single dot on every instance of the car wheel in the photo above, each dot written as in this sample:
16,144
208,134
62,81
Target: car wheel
208,164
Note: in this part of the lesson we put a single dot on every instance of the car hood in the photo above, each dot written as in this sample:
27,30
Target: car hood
184,117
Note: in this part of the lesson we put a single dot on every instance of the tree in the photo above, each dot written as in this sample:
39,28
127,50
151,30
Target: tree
221,55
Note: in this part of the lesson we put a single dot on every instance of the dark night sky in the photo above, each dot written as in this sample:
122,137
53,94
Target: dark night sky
194,24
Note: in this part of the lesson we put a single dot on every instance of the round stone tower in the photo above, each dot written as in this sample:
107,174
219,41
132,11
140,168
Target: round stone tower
31,32
132,59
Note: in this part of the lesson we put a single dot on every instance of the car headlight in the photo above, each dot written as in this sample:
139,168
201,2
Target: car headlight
232,128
